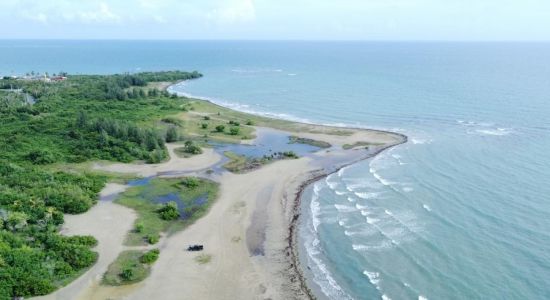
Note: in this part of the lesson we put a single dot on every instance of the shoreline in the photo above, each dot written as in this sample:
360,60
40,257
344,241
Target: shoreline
295,209
264,253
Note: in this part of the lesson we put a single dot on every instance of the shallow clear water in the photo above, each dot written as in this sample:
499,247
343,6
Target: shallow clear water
267,143
459,212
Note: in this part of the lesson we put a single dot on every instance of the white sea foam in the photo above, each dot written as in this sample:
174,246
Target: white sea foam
331,184
351,199
366,195
322,275
372,220
316,188
420,297
385,297
408,189
426,207
359,206
388,212
418,141
344,208
339,193
374,278
341,171
315,208
495,132
364,213
380,178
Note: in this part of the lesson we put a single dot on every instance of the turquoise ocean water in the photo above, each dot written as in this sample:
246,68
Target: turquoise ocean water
462,211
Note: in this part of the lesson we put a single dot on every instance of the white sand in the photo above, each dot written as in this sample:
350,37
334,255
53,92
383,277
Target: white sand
232,272
197,162
108,223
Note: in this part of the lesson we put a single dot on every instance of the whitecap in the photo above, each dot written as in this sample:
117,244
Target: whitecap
339,193
374,278
351,199
372,220
417,141
494,132
359,206
292,74
315,208
426,207
389,213
344,208
367,195
420,297
385,297
364,213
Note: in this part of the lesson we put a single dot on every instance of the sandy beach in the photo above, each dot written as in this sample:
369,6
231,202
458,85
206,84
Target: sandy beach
248,232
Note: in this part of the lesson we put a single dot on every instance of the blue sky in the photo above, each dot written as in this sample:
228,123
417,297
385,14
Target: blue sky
277,19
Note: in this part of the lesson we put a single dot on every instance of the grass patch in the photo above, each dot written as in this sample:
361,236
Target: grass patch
242,164
203,259
128,268
299,140
223,115
149,223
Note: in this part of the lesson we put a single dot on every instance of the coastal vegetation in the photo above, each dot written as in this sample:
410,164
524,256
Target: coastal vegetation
242,164
189,149
167,206
130,267
83,118
300,140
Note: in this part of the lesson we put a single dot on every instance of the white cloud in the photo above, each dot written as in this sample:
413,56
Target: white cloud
100,15
236,11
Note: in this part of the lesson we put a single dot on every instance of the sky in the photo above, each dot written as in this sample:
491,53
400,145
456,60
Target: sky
463,20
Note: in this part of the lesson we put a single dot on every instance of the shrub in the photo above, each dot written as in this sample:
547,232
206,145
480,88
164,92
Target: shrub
150,256
139,227
191,148
127,274
249,122
206,118
152,238
190,182
171,135
235,123
220,128
169,211
41,157
204,125
234,131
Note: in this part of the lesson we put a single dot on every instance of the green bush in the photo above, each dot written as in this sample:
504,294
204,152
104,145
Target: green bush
139,227
206,118
152,238
190,182
41,157
220,128
234,131
191,148
204,125
172,135
150,256
169,211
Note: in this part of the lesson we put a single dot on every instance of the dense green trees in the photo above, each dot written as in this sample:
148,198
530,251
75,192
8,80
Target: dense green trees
83,118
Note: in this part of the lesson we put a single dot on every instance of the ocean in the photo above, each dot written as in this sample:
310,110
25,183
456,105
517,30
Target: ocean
461,211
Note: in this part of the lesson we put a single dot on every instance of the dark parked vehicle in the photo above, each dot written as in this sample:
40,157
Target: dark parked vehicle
195,248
